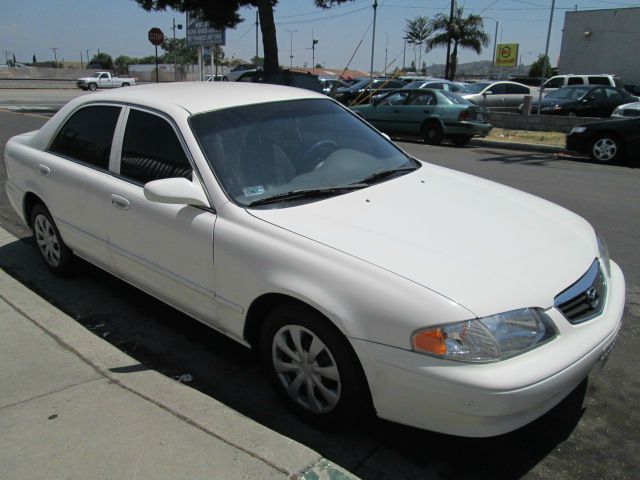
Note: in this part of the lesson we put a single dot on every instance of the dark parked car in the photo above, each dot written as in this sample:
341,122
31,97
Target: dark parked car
607,141
289,78
361,91
583,101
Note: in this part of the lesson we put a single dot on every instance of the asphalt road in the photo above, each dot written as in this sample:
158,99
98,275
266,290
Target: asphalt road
592,434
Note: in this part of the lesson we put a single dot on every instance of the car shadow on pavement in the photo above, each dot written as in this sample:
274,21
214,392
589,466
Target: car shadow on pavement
164,339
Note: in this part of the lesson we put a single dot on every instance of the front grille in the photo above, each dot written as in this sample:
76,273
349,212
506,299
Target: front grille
584,299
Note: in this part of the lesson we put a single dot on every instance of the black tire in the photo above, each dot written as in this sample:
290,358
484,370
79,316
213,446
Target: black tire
432,133
125,84
461,140
606,148
93,87
57,256
346,398
225,79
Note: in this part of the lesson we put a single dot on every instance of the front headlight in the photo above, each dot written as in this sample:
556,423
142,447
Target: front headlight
577,130
604,255
487,339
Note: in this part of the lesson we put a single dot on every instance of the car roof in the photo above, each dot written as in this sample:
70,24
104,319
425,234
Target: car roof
198,97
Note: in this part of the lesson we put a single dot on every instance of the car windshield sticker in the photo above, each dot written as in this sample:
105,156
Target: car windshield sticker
252,191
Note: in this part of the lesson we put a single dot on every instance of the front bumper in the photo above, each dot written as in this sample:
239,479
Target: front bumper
577,142
484,400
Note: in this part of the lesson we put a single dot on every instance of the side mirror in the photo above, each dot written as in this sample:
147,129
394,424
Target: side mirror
178,191
488,92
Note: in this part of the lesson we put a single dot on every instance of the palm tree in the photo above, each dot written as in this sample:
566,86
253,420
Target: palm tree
417,32
466,32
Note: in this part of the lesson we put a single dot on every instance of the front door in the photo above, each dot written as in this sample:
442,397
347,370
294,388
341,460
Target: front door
165,249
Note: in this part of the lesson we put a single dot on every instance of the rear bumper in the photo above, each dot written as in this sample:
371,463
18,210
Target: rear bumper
467,128
483,400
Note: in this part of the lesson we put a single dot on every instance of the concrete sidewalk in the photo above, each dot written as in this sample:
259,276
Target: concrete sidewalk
73,406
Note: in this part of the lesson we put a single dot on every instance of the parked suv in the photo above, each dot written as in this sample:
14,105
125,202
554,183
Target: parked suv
571,79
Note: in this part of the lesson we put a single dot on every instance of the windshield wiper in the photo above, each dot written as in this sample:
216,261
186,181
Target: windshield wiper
382,174
308,193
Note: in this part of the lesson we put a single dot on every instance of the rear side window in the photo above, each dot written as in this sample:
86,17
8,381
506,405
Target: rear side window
517,89
598,81
151,150
575,81
87,135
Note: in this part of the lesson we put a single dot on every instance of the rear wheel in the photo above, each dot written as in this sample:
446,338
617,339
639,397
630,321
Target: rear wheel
125,84
432,133
312,367
56,255
461,140
606,148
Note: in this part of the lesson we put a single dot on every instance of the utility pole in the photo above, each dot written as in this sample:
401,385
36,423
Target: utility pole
314,42
447,66
88,61
291,47
175,50
404,51
55,56
257,26
81,62
386,51
373,45
546,57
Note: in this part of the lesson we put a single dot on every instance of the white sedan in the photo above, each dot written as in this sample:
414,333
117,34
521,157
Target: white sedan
369,281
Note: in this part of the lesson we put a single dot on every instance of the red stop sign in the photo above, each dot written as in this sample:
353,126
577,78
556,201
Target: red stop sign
156,36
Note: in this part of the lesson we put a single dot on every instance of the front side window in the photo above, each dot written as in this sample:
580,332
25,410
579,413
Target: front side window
87,136
497,89
151,150
263,152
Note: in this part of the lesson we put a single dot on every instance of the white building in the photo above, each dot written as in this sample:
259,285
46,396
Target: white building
602,41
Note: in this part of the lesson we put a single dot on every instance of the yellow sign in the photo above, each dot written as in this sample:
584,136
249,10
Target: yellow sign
507,55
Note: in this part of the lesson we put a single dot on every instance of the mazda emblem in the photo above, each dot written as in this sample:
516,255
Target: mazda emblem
593,298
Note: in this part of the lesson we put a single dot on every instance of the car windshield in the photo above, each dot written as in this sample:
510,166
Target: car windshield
416,84
261,151
96,75
475,87
454,98
573,93
360,84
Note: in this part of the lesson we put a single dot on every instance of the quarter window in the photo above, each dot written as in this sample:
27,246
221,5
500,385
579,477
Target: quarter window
151,150
599,81
87,135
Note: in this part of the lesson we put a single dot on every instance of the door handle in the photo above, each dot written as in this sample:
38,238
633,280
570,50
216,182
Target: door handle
120,202
44,170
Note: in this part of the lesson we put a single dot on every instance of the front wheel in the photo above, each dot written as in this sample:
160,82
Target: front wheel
312,367
56,255
606,148
93,87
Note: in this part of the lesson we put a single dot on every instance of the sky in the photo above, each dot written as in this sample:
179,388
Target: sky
119,27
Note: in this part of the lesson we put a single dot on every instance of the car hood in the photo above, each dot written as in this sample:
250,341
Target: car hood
485,246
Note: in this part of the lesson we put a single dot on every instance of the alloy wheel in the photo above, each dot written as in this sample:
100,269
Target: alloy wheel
604,149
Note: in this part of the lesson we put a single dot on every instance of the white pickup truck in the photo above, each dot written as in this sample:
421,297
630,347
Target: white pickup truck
103,80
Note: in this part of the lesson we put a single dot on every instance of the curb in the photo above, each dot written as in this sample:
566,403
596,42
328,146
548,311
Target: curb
200,411
530,147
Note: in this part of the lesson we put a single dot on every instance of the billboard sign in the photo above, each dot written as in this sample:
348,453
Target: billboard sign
201,33
507,55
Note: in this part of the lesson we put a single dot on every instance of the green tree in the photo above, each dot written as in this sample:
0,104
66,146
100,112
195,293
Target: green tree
257,60
224,13
465,32
123,61
104,60
177,50
34,58
417,32
537,67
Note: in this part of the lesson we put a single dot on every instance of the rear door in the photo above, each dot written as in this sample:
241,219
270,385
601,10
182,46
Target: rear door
514,94
165,249
421,105
73,171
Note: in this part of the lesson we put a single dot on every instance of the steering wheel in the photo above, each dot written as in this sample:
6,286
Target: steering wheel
317,152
